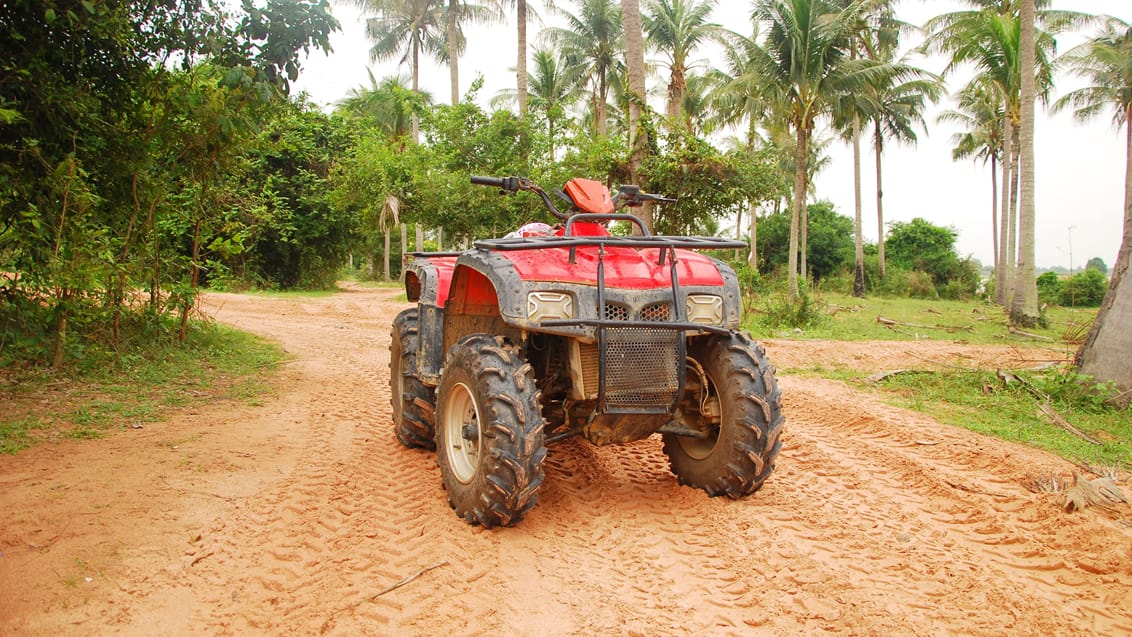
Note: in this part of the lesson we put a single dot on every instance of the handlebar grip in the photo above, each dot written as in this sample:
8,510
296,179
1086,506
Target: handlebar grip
487,181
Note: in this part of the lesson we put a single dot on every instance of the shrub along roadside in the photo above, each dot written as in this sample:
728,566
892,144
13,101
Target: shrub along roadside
133,387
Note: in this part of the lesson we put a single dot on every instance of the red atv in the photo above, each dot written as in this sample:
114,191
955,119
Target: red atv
551,333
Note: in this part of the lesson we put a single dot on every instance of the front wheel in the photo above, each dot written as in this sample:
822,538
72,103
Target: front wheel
733,401
412,400
489,432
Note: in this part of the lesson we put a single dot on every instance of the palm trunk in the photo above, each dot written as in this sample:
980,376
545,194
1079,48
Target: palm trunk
387,249
880,201
414,120
453,51
796,213
753,259
635,60
1012,236
419,236
1024,306
994,208
858,240
521,60
1104,354
1000,276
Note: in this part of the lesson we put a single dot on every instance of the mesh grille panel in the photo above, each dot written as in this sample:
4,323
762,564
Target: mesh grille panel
615,312
641,367
655,312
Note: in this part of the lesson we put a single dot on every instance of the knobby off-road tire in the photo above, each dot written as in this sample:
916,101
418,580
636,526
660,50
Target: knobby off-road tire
489,431
740,453
413,401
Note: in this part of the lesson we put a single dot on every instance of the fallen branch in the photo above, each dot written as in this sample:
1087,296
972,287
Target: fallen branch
1047,409
887,322
1039,337
387,589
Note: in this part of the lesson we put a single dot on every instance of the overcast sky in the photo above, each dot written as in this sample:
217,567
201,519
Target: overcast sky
1080,167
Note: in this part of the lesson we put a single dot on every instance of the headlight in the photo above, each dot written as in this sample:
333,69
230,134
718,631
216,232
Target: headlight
705,309
549,305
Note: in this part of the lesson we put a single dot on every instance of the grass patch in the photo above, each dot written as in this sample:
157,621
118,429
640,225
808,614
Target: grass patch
108,393
847,318
984,403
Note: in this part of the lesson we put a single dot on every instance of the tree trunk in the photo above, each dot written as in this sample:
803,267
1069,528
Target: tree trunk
858,240
1106,354
796,213
994,209
1024,306
404,240
676,85
453,52
1012,235
1000,276
521,65
638,136
419,236
387,250
753,259
414,119
880,200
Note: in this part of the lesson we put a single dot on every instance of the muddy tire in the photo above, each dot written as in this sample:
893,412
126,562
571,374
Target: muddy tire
413,401
739,453
489,432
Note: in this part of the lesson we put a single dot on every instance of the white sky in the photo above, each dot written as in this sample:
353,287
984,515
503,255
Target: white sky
1080,167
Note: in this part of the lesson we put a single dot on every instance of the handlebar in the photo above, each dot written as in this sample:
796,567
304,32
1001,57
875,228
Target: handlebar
627,195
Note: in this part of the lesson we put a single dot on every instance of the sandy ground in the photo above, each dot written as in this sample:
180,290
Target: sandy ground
305,516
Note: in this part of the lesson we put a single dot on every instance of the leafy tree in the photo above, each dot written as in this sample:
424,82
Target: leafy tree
920,246
1098,264
830,246
1084,289
1049,287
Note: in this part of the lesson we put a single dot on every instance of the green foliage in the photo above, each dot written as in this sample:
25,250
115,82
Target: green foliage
1049,287
778,311
1098,264
1084,289
919,246
830,244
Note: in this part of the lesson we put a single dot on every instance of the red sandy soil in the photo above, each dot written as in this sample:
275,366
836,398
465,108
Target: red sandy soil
305,516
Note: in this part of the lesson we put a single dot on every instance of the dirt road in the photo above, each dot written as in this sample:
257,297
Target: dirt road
304,515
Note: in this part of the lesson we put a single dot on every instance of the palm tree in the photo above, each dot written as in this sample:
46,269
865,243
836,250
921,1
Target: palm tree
635,69
553,91
988,36
1105,61
387,106
591,41
460,12
405,28
980,113
803,63
676,28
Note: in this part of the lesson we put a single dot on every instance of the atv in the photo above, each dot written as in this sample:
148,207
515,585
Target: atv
551,333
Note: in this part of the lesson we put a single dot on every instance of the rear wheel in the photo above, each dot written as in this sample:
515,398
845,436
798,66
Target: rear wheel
413,401
734,401
489,432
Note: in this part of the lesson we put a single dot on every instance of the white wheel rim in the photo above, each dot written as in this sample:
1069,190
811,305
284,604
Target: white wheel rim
460,412
701,448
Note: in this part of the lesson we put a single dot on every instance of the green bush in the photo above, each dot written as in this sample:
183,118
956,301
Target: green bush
921,286
1049,288
779,311
1084,289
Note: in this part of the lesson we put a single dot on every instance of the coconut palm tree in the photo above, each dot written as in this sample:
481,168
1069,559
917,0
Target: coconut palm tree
676,28
988,36
387,106
980,114
553,92
406,28
591,41
458,13
1105,62
803,62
